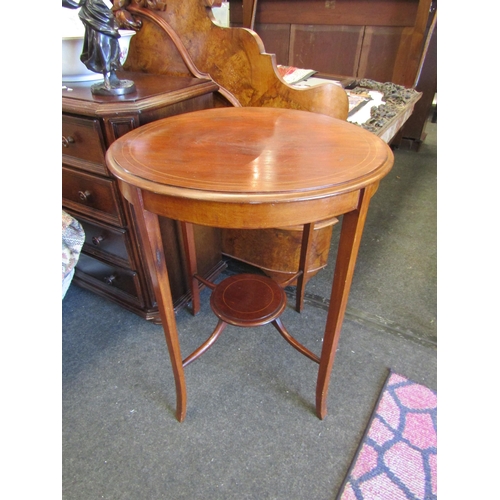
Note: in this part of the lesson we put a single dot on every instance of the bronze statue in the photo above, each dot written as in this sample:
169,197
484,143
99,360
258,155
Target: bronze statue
101,50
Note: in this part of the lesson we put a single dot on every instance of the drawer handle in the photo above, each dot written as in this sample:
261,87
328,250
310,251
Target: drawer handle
109,279
96,240
66,141
84,195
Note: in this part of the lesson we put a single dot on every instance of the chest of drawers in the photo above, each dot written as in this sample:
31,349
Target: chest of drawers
112,263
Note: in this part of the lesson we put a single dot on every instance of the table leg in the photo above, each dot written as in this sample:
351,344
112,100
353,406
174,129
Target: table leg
305,250
149,229
192,266
350,238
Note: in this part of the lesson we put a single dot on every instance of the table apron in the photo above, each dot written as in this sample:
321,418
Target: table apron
246,215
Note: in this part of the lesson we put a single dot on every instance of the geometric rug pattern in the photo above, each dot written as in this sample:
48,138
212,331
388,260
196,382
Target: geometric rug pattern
397,458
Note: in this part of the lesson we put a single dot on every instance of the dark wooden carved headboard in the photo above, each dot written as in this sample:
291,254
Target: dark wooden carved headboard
179,37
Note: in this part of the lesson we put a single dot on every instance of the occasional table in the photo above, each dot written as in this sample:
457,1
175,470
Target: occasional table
250,168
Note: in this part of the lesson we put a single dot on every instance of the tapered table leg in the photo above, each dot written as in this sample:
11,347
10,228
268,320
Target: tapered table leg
305,250
350,238
149,229
192,266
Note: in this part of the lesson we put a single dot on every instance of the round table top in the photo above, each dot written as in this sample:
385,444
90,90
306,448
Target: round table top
257,155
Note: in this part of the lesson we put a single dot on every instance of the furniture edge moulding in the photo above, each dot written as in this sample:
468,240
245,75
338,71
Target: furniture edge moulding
234,58
135,107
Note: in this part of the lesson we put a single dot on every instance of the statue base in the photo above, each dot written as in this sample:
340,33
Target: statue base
118,87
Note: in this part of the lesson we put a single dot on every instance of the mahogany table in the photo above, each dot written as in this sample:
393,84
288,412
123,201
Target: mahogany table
250,168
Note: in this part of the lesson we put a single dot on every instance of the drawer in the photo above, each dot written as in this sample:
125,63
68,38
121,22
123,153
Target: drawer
106,242
91,195
113,280
83,144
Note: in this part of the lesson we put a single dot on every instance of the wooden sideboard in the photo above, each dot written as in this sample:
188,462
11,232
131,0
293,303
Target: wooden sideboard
112,263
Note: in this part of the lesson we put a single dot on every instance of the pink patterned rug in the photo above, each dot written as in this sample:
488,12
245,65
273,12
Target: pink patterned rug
397,459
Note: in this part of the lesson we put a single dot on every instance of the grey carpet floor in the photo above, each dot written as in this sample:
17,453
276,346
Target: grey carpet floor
251,431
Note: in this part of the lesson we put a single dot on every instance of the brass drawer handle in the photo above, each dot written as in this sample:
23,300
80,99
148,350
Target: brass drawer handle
84,195
66,141
109,279
96,240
